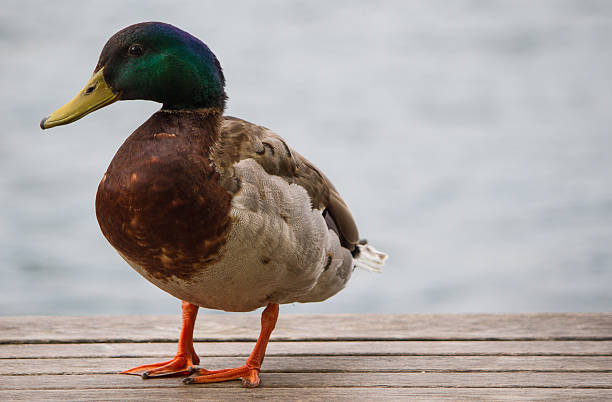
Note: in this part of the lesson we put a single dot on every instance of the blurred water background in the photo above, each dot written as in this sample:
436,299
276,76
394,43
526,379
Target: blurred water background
472,141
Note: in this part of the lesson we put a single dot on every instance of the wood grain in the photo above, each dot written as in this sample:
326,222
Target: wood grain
234,326
307,364
312,394
321,380
280,348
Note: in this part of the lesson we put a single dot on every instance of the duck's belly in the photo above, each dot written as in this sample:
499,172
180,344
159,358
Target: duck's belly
278,250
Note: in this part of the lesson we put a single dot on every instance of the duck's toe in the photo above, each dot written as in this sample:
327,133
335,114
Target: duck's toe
181,365
248,374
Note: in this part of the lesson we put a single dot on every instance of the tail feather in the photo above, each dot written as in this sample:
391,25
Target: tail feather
369,258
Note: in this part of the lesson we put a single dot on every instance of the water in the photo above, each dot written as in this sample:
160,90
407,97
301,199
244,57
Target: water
471,139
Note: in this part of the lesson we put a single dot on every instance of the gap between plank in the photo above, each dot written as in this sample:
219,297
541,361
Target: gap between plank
343,339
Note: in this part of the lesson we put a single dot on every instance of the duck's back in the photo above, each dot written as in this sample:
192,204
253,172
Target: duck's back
225,217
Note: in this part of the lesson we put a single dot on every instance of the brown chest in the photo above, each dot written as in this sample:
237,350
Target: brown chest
161,206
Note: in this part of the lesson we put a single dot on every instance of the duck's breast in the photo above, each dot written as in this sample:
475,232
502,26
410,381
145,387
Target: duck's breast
161,207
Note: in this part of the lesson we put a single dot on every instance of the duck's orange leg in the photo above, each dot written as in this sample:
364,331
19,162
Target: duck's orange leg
250,371
186,358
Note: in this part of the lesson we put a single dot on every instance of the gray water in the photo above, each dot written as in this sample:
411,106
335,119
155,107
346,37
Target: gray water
471,139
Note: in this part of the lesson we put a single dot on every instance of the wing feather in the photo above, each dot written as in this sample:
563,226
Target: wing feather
241,140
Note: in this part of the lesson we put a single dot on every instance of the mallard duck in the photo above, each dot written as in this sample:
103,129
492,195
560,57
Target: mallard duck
219,212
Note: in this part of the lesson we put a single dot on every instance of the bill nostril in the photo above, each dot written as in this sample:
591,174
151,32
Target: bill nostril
90,89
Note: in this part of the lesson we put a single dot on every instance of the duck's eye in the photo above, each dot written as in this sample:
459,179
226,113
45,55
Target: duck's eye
135,50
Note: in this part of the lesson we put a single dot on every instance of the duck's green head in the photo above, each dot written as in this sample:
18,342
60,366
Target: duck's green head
150,61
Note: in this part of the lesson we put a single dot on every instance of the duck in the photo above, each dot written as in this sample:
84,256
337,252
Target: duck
219,212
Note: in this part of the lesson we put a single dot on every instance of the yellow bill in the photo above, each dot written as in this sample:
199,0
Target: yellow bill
94,96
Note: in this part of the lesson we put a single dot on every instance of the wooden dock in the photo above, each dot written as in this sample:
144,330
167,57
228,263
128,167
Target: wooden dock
316,357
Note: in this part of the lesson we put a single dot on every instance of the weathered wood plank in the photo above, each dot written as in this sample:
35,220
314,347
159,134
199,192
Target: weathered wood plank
312,394
390,357
540,326
326,364
321,380
406,348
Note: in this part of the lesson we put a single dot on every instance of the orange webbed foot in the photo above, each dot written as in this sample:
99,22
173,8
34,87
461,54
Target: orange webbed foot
181,365
248,374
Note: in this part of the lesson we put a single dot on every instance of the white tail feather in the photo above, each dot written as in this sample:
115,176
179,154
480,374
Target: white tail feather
370,259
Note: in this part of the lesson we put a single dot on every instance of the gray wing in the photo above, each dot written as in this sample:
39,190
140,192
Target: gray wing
240,140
